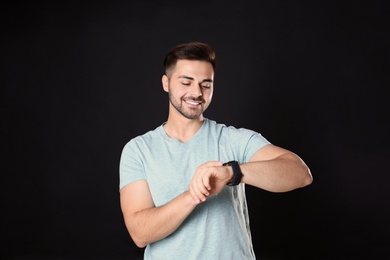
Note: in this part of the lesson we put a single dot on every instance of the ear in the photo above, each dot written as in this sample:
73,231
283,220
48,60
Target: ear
165,82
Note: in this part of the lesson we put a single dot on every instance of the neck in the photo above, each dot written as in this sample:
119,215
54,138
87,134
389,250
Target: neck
182,128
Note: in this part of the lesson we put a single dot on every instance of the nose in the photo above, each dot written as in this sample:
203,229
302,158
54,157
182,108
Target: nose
196,90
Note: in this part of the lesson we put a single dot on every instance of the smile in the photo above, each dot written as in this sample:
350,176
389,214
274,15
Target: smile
193,102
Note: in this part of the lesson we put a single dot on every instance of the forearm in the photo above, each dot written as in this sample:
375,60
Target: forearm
283,173
152,224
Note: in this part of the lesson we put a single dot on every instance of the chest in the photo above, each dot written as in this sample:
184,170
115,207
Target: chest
170,166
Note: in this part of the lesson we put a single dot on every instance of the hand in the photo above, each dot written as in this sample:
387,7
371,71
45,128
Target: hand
209,179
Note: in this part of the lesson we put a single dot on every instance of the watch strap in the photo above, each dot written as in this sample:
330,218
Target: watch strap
237,174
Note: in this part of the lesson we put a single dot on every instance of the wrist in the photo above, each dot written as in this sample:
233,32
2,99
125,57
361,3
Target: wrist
190,199
235,172
229,169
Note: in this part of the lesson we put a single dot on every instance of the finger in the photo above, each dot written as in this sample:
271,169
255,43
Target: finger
197,192
195,199
199,189
206,184
204,181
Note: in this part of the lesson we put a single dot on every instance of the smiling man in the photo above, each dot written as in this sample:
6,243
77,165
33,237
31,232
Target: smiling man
192,83
182,185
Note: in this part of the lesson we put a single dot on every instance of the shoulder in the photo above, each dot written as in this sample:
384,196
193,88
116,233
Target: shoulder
233,134
229,129
213,125
142,141
146,137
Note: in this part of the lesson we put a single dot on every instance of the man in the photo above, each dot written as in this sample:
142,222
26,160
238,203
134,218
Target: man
182,185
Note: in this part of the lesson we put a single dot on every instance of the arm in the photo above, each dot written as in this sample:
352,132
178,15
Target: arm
271,168
147,223
276,169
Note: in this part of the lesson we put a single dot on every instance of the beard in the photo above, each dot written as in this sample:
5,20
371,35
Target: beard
188,112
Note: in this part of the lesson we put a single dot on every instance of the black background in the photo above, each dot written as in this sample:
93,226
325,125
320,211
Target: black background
80,79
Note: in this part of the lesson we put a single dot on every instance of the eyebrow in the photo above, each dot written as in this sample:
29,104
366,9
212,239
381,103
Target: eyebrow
190,78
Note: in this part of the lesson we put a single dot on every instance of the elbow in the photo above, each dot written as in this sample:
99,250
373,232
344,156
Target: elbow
308,178
136,235
138,241
140,244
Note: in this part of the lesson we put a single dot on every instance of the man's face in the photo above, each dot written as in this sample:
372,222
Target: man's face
190,87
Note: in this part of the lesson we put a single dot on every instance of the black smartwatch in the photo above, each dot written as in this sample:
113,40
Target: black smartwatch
237,174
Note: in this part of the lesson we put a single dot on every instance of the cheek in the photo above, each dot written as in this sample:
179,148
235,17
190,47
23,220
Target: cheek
180,93
208,94
177,93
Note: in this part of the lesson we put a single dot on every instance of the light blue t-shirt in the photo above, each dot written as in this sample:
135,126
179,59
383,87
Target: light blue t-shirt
216,229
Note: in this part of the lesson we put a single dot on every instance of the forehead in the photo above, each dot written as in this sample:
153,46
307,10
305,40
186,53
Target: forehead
193,68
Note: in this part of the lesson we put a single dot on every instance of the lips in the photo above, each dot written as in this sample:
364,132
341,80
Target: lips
193,102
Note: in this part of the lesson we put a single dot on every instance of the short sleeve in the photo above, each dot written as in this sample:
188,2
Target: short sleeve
248,142
130,167
256,141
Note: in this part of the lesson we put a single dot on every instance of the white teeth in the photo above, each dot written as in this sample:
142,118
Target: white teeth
193,103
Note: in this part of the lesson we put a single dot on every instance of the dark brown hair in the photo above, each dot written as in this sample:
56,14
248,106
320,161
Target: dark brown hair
189,51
